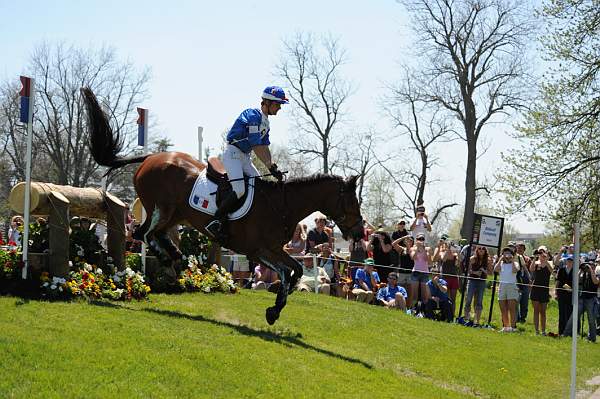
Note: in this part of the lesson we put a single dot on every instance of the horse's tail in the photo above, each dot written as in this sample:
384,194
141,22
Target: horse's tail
104,144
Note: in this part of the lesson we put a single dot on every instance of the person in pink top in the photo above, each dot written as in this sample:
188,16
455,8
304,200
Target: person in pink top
421,255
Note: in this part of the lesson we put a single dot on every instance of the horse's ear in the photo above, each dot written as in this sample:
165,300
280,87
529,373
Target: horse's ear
351,182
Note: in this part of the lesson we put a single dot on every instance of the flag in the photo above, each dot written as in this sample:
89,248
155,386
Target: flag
25,94
142,122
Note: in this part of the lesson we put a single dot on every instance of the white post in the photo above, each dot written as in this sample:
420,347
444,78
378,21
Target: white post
144,246
200,130
575,314
27,202
316,269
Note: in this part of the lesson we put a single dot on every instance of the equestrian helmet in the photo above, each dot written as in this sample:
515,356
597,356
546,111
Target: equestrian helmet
275,93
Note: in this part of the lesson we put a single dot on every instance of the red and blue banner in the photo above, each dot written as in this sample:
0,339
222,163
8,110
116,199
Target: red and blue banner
25,94
142,122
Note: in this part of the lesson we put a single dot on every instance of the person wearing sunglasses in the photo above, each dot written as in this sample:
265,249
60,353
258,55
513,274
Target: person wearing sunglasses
508,294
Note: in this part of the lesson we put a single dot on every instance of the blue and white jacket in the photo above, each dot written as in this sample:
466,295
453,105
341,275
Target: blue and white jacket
250,129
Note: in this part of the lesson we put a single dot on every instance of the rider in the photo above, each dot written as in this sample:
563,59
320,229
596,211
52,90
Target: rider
250,132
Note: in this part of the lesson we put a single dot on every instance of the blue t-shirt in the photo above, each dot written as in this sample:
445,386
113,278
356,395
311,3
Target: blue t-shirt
387,293
250,129
435,291
361,274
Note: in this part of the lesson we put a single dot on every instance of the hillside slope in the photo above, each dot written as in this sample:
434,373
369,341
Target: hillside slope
196,345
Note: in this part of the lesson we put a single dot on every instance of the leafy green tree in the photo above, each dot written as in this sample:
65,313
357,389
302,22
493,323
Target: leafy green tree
558,164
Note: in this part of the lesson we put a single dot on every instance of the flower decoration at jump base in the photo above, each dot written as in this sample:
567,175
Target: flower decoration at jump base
92,283
195,277
10,265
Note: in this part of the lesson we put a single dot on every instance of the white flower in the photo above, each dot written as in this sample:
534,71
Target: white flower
129,272
53,286
60,288
183,257
116,278
46,284
70,264
119,291
98,271
80,253
87,267
206,289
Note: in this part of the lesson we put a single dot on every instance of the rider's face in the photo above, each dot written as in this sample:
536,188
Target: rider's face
274,108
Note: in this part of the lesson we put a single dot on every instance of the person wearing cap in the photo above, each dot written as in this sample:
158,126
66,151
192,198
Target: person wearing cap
400,230
541,270
317,236
523,281
365,282
392,296
438,297
421,255
480,265
588,291
249,133
564,296
508,294
420,224
380,245
311,275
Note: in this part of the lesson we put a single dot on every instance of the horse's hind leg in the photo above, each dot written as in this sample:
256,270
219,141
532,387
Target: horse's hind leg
157,236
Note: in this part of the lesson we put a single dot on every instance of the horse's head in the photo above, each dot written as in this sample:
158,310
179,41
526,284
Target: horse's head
347,211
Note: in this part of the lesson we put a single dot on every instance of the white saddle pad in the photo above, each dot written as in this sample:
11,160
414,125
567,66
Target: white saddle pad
202,200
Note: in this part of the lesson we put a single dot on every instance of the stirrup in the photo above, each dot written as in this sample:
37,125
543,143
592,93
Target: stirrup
214,228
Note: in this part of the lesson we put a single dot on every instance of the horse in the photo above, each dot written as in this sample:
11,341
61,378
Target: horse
164,181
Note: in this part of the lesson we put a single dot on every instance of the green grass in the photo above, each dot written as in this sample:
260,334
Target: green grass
196,345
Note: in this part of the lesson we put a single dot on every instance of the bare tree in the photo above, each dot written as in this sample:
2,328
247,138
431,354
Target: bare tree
361,158
474,57
60,128
311,69
425,126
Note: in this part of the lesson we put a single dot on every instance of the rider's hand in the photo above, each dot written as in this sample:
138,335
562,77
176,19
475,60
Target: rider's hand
275,172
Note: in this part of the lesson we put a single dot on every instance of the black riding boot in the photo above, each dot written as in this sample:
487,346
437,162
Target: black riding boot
216,226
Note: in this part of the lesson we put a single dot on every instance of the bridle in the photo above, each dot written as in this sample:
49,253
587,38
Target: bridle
340,205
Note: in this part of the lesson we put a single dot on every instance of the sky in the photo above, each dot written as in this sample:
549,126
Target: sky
210,60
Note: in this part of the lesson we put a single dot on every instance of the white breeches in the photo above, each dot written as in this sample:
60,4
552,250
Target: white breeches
238,164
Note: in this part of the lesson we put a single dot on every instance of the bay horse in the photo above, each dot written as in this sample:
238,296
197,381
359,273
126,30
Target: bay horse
164,181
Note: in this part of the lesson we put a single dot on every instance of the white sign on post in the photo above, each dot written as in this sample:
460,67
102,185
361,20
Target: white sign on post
488,230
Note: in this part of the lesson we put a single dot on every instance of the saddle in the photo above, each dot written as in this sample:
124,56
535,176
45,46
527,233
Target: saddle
216,173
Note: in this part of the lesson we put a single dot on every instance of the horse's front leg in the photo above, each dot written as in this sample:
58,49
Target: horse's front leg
272,313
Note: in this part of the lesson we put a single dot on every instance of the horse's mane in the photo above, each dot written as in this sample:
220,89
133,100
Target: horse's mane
304,180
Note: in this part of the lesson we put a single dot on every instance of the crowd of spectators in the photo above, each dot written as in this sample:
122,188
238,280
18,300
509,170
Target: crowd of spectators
404,270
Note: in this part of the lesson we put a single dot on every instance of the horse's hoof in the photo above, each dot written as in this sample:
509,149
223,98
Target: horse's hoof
272,315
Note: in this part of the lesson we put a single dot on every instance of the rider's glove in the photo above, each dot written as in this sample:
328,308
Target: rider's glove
275,172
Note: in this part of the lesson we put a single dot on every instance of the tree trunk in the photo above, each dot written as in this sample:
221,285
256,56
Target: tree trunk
470,180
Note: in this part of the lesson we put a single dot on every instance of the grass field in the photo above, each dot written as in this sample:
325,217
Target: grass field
195,345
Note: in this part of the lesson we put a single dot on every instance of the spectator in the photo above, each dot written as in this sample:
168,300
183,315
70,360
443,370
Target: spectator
403,247
380,245
330,264
479,267
438,298
564,296
14,233
540,291
523,281
265,279
297,244
392,296
420,224
448,261
310,275
588,291
365,282
400,230
317,236
358,250
421,255
508,294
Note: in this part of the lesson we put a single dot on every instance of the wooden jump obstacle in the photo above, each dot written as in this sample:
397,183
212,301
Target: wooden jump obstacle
59,204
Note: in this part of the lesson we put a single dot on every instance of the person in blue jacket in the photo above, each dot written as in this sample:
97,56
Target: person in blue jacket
250,132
